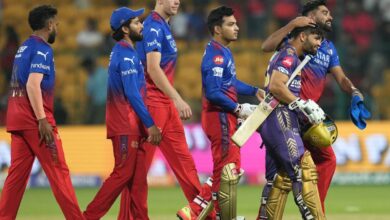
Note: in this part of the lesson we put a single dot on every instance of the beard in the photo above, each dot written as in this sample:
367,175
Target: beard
52,37
134,36
325,27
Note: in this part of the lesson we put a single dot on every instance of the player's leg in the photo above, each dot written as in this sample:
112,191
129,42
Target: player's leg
226,159
52,159
325,161
175,150
125,153
139,189
22,159
139,206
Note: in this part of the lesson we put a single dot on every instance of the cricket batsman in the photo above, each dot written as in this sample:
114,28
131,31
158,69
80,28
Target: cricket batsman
220,110
313,83
31,122
126,116
288,166
158,54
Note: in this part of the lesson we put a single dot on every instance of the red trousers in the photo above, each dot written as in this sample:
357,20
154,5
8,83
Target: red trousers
129,169
25,146
175,150
325,161
219,127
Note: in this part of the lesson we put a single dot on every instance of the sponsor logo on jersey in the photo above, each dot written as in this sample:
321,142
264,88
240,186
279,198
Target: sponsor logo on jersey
153,43
20,51
290,51
129,72
283,70
129,59
218,60
42,54
40,66
217,71
287,62
157,31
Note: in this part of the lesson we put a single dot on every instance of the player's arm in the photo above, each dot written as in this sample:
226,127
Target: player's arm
279,89
245,89
213,84
159,78
275,39
343,81
34,93
134,97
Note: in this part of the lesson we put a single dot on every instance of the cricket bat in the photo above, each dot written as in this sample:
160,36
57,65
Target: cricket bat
265,107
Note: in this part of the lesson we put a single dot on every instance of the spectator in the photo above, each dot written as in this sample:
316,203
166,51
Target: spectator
285,10
257,17
179,23
96,91
8,52
90,39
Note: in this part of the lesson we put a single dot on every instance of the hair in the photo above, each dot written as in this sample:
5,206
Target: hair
38,16
307,30
312,5
215,17
119,34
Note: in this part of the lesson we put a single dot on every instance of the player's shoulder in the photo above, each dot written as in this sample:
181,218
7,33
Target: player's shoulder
327,47
154,20
215,54
36,44
288,51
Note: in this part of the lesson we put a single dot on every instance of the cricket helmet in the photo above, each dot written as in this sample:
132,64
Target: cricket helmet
321,135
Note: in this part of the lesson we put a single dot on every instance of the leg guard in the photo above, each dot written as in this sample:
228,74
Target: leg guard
207,205
278,196
263,201
227,195
309,186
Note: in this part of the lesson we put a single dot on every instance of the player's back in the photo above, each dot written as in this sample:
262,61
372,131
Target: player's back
218,71
121,118
314,73
157,37
33,56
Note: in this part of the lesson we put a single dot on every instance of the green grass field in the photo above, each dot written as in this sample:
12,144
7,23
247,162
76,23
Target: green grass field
343,202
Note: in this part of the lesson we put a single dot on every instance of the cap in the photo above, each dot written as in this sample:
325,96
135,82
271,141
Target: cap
123,14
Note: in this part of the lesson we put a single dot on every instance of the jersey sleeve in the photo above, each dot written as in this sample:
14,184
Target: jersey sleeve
334,57
213,69
129,78
245,89
286,62
40,61
153,37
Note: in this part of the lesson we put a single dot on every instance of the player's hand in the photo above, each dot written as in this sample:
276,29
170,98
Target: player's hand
303,21
183,108
154,135
310,109
260,94
45,131
244,110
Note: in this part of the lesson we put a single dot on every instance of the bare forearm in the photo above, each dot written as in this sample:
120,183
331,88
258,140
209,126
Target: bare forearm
271,43
283,94
35,96
346,85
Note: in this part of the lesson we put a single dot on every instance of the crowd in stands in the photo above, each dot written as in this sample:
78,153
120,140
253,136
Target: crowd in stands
361,34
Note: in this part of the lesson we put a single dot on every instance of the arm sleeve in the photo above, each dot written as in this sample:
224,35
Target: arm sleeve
245,89
334,58
286,62
213,74
129,81
40,61
153,37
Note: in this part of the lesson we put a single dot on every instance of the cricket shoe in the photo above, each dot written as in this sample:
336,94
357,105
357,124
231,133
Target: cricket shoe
186,213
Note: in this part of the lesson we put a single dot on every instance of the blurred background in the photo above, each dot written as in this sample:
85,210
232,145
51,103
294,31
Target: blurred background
361,35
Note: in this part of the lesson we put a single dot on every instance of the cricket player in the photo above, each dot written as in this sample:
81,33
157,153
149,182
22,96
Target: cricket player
158,54
31,122
313,82
220,109
126,115
286,158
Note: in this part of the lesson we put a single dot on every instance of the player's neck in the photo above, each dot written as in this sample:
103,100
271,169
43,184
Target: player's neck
41,34
162,13
298,47
127,39
221,40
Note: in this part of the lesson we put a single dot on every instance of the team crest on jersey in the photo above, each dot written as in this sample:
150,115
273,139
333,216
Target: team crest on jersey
290,51
287,62
218,60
